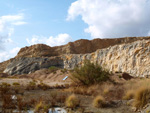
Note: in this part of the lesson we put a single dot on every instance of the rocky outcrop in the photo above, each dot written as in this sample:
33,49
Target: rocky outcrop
133,58
131,55
29,65
82,46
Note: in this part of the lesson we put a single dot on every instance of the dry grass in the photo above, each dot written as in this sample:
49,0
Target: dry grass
38,106
129,95
142,97
139,90
99,102
43,86
72,101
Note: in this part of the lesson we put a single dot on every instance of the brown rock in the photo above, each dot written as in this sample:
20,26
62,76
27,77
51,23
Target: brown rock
126,76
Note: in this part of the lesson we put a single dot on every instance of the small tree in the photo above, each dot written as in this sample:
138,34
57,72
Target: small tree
89,74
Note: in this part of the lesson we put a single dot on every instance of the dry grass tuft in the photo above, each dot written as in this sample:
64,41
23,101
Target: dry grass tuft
72,101
142,97
99,102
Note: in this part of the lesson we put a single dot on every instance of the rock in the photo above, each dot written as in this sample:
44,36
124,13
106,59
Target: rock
81,46
29,65
132,58
130,55
126,76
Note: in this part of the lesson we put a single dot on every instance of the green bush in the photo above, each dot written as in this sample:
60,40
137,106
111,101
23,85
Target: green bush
89,74
16,84
53,69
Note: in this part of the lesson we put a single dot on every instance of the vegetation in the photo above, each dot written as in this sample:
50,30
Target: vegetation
89,74
72,101
53,69
142,97
129,95
16,84
99,102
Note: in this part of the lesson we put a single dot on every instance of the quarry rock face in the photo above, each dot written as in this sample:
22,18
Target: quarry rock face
130,55
133,58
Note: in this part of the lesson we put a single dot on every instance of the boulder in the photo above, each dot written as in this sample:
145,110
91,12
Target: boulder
126,76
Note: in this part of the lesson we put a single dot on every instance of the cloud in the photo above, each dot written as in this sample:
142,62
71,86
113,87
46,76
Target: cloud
5,55
113,18
60,39
7,24
19,23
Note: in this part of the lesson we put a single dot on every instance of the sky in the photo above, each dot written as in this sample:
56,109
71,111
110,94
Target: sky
57,22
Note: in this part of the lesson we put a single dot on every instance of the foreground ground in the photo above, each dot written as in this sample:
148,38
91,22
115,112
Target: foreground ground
43,90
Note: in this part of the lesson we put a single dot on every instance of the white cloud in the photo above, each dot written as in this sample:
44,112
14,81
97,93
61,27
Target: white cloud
12,18
19,23
7,24
10,54
60,39
113,18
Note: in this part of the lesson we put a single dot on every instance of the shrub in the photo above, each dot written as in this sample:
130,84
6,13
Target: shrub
43,86
4,89
142,97
31,86
7,102
89,74
64,70
72,101
53,69
16,84
99,102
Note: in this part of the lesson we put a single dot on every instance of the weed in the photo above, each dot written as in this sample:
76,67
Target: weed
72,101
142,97
99,102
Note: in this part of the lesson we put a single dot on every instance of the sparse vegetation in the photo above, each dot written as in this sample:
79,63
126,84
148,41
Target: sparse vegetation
129,95
89,74
72,101
43,86
99,102
142,97
16,84
53,69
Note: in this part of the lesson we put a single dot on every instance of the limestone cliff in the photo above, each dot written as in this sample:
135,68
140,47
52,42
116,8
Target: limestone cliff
130,55
133,58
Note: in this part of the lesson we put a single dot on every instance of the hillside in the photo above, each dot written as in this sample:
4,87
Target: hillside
35,57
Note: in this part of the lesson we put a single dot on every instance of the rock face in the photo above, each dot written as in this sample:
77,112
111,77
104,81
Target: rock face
29,65
131,55
78,47
133,58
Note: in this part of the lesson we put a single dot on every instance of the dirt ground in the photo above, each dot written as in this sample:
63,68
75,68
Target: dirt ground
116,105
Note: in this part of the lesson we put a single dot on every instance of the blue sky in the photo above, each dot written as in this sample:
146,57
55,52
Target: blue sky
56,22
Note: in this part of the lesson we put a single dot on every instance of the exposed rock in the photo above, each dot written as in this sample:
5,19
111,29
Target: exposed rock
126,76
29,65
82,46
131,56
